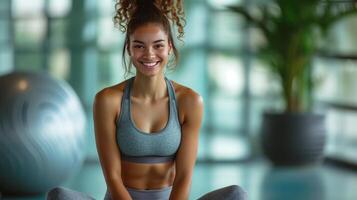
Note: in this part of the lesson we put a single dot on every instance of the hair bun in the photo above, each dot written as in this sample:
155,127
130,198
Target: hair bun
171,9
145,4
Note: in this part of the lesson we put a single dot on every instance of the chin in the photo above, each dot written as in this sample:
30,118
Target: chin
147,74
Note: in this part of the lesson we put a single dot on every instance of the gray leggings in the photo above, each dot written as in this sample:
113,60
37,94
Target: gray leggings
232,192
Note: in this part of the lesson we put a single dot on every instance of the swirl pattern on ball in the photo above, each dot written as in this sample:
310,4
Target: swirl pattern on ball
42,138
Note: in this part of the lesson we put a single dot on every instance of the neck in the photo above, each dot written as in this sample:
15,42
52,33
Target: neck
150,88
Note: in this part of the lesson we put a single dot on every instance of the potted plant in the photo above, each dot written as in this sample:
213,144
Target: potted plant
292,31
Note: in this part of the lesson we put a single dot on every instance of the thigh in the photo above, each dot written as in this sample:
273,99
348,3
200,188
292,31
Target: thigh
61,193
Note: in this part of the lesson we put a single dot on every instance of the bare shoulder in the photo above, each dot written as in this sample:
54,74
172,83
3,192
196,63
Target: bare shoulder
186,95
188,100
109,98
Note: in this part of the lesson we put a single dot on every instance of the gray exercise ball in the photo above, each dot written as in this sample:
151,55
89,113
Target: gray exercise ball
42,137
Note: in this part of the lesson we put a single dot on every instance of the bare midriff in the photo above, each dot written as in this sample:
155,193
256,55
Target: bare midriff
148,176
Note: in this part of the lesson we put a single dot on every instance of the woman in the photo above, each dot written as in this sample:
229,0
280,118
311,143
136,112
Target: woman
147,127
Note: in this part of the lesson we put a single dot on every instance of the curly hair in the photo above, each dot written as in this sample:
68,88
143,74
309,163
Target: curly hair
131,14
172,9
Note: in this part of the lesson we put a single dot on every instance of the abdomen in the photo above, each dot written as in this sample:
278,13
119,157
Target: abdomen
148,176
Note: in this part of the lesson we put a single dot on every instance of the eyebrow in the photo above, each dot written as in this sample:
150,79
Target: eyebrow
156,41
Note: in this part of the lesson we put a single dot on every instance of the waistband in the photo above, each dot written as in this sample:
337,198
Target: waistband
152,194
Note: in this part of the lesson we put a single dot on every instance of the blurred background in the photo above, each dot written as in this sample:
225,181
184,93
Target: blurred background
75,40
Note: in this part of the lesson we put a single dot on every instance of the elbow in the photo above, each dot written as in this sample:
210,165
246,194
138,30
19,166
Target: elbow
183,179
113,180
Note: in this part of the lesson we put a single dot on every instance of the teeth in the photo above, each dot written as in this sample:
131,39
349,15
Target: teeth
150,64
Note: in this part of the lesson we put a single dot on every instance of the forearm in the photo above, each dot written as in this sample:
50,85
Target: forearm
181,189
117,189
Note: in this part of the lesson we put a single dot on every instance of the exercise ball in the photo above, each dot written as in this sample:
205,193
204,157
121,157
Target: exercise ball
42,137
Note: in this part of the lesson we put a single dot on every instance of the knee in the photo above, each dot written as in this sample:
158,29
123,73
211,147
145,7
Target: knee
56,193
234,189
237,192
232,192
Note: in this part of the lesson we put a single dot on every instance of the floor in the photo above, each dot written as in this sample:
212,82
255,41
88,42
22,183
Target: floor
258,178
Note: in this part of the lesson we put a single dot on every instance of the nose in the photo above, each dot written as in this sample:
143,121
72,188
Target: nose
149,52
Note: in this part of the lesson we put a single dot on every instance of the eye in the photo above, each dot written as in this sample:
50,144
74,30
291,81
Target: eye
138,46
158,46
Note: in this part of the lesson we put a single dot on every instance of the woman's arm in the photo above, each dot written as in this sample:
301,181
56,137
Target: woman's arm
105,109
191,110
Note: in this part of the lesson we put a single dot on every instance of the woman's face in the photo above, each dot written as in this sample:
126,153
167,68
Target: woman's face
149,49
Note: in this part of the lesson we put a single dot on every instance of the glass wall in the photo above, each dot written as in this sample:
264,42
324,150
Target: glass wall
6,37
75,40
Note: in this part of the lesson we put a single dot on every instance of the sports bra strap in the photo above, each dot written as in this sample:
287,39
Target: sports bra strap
128,88
171,89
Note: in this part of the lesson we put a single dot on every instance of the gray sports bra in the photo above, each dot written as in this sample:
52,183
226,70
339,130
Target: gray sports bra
141,147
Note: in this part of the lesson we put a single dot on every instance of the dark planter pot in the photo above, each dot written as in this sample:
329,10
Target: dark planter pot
293,138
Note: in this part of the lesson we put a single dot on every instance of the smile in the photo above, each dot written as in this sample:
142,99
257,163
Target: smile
150,64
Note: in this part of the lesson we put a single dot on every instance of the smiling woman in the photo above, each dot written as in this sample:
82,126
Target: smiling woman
147,127
155,137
